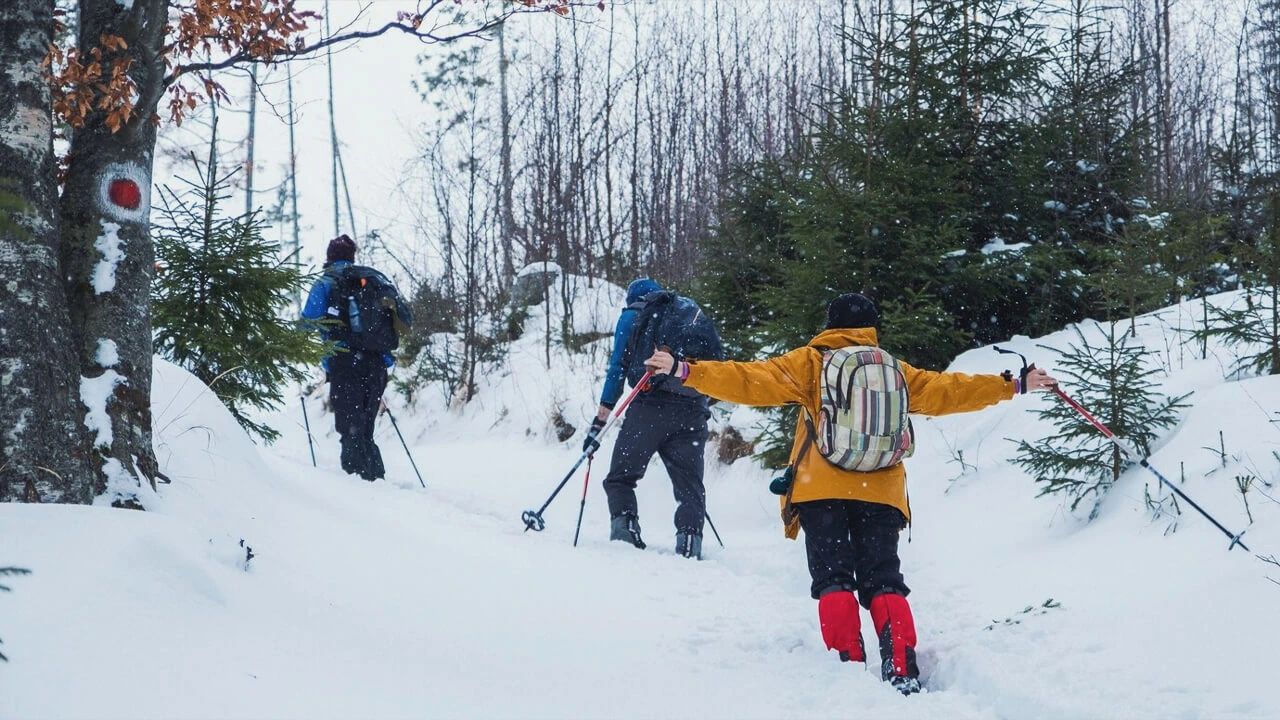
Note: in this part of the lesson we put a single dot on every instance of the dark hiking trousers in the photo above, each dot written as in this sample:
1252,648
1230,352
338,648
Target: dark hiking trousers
853,545
676,429
356,382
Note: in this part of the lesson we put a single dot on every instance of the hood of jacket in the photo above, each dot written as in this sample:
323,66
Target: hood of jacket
640,288
844,337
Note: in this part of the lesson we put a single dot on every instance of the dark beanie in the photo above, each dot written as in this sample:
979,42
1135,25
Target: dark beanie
340,248
852,310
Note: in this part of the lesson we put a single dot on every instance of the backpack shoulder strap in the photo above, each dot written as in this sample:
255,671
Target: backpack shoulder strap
789,513
629,350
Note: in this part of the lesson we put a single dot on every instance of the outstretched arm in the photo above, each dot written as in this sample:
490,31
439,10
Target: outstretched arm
784,380
943,393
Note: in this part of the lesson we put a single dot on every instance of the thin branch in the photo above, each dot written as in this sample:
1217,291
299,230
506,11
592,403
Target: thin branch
243,57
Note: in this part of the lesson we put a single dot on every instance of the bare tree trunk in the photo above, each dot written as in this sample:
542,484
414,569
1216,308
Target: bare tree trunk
293,180
44,445
608,237
333,129
633,256
107,255
249,138
1164,89
508,222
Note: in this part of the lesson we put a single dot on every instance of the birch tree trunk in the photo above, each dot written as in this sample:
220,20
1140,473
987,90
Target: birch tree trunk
507,181
44,448
106,252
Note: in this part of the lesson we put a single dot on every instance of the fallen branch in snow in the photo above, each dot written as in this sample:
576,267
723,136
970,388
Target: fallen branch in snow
1043,608
5,588
1270,559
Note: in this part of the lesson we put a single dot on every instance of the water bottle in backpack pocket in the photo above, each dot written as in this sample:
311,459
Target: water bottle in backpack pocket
353,315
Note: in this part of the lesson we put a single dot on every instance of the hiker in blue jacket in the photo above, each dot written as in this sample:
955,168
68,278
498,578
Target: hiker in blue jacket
670,420
356,378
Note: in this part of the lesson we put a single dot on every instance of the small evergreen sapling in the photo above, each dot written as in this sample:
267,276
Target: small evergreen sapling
218,299
1253,329
1113,380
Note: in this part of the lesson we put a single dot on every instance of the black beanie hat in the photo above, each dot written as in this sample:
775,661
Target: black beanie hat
852,310
340,248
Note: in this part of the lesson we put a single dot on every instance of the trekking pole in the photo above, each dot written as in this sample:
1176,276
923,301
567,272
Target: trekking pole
712,525
533,519
405,445
1135,456
583,505
307,424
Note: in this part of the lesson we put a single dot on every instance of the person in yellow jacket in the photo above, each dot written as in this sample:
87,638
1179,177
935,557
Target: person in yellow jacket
851,519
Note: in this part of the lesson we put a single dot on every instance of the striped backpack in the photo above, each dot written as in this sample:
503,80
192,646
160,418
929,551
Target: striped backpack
862,420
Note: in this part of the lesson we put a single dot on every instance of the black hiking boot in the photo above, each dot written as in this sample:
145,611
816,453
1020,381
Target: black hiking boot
905,685
626,527
689,543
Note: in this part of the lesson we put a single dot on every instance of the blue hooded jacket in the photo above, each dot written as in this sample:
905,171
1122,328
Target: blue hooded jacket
615,378
318,304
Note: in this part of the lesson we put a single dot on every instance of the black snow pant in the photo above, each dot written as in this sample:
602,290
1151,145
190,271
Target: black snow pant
853,545
675,427
356,383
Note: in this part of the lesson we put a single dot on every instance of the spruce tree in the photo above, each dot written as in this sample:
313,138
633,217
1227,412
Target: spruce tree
743,258
912,177
218,299
911,174
1087,166
1113,380
1253,329
1130,278
1252,160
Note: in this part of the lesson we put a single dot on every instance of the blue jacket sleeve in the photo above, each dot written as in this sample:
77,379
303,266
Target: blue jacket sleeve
317,299
615,378
315,309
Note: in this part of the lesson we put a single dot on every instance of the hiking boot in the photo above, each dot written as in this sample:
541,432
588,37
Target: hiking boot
626,527
905,685
841,626
896,631
689,543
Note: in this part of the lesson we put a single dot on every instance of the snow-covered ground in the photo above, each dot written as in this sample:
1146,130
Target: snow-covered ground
394,601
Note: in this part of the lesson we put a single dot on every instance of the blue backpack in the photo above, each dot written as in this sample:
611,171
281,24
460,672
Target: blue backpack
673,323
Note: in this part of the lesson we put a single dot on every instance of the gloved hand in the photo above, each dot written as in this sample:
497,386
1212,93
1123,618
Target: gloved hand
592,442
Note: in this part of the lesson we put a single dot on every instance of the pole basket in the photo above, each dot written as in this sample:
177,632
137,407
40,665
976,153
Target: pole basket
533,521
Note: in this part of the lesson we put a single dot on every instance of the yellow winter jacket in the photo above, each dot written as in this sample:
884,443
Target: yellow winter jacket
794,379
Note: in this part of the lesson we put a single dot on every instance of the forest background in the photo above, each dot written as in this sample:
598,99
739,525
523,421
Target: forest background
984,168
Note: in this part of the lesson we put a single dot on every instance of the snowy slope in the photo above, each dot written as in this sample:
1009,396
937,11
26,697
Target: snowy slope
394,601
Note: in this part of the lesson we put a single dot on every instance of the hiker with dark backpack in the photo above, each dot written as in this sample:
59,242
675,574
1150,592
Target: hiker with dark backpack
845,485
365,319
667,418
